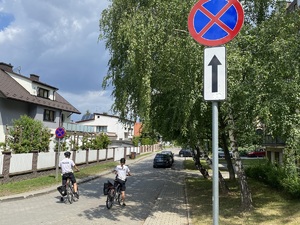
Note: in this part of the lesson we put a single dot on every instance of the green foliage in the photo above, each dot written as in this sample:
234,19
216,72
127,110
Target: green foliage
2,144
156,70
27,135
63,146
100,141
156,67
136,140
276,177
144,140
292,186
85,142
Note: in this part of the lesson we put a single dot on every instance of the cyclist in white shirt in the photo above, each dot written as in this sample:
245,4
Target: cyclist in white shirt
66,166
122,171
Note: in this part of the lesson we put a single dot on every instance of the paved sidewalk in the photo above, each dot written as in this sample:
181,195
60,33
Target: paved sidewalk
171,207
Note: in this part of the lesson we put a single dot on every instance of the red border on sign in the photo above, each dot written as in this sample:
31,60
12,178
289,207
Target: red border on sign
215,19
60,132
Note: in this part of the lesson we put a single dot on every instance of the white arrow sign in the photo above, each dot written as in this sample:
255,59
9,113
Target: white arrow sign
215,88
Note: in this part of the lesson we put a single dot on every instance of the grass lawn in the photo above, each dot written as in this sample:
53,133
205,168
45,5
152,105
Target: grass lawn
271,207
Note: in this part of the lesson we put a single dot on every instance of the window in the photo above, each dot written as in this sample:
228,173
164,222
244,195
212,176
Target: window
49,115
43,93
101,129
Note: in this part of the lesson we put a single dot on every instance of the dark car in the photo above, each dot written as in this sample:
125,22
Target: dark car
257,153
185,153
221,153
162,160
170,153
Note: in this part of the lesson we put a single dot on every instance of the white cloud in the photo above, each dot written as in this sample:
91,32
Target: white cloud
58,40
99,102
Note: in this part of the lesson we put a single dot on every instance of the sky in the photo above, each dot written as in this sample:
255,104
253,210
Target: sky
58,41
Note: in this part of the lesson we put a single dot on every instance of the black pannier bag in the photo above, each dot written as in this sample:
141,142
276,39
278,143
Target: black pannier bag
106,186
62,190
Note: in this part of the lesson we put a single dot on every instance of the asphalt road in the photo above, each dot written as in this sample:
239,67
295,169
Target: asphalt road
154,196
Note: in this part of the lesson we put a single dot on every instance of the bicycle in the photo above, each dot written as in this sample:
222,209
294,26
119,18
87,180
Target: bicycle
69,192
113,194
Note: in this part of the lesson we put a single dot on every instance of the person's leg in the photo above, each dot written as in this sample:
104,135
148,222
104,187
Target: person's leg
75,187
123,192
123,197
73,179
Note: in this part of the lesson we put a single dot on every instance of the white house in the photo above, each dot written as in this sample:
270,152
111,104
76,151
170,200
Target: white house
109,124
21,95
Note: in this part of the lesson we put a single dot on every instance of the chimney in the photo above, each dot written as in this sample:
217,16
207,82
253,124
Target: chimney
34,77
6,67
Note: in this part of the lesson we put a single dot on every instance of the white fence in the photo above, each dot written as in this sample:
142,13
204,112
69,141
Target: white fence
46,160
20,163
1,164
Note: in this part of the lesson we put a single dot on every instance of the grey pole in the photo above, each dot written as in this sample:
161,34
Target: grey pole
57,160
215,146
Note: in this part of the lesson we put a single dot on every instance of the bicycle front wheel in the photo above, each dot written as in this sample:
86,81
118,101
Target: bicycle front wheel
110,198
118,197
70,195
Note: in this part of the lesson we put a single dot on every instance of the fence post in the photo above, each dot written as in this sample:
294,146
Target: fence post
6,165
98,155
87,156
125,152
35,154
74,155
114,153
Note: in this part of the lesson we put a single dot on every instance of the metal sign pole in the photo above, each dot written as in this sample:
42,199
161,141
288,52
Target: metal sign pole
215,146
57,159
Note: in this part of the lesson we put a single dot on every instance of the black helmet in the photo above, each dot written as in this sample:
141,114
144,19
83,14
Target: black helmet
122,160
67,154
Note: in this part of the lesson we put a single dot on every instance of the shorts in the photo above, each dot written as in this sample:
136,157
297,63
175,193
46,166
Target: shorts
122,184
66,176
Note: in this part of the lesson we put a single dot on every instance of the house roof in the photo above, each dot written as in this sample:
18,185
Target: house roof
11,89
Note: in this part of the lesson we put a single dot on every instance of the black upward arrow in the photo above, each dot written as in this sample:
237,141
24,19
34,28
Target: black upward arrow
214,63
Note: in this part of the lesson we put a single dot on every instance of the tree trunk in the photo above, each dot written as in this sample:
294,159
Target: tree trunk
198,164
222,183
246,197
224,139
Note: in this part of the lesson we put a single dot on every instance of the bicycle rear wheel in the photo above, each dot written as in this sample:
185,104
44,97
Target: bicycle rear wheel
110,198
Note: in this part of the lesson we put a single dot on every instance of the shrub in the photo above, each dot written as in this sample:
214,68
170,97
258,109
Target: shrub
276,177
292,186
28,134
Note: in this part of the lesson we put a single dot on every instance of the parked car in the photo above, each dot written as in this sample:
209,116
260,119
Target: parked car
170,153
162,160
257,153
185,153
221,153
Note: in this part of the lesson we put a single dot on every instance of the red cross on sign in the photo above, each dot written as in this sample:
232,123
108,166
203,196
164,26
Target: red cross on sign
60,132
215,22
